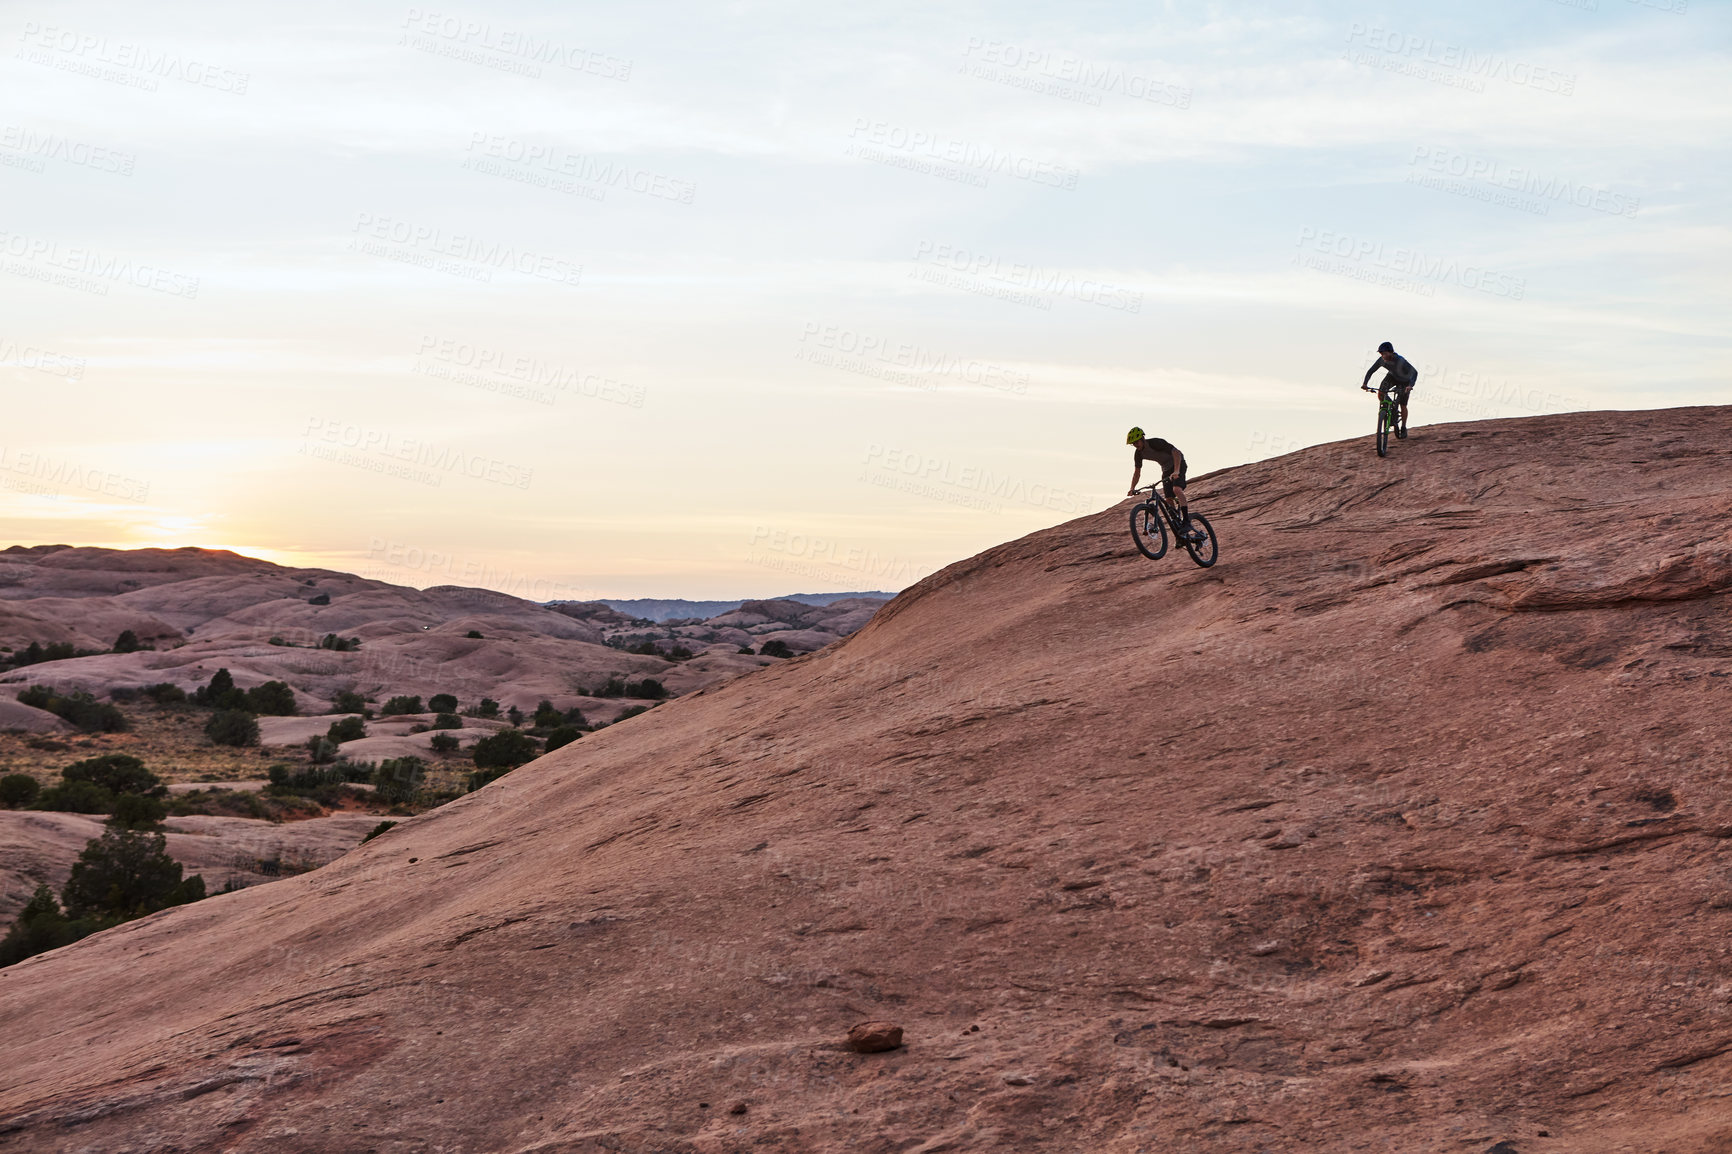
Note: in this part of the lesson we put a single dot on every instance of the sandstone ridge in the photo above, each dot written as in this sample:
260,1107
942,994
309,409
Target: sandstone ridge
1404,827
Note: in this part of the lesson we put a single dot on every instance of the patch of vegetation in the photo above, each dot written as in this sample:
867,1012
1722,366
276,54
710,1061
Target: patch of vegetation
18,790
507,749
97,784
117,773
123,874
474,635
444,743
562,736
746,649
36,653
346,729
220,692
81,710
487,707
617,686
127,642
399,779
775,648
377,830
401,704
348,701
482,776
136,811
165,693
442,703
446,721
319,599
340,644
272,699
232,727
327,785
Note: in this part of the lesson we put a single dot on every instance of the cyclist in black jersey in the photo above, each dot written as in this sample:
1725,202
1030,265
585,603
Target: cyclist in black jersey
1397,374
1167,456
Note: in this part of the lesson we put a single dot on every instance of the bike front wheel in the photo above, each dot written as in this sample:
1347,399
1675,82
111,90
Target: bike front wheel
1383,430
1201,544
1148,531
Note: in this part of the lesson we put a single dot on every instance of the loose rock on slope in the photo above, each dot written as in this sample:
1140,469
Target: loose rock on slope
1026,811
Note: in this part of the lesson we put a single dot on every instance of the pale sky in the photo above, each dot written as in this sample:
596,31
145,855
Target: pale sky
727,300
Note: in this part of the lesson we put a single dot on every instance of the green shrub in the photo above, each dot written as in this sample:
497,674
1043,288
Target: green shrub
272,699
220,693
377,830
444,742
546,716
117,773
346,729
487,708
442,703
398,779
136,811
319,599
506,749
126,874
482,776
165,693
75,797
776,648
474,635
633,711
340,644
746,649
82,710
321,750
127,642
446,721
564,735
401,704
232,727
18,790
514,715
41,926
348,701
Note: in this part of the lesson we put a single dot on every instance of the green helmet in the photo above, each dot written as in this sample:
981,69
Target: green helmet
1135,435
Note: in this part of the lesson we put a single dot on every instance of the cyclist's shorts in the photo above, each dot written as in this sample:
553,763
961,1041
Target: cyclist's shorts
1174,479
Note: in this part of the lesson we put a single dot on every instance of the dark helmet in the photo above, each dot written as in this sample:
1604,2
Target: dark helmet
1386,347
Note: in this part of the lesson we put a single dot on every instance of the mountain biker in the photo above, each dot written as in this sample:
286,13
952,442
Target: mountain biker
1397,374
1167,456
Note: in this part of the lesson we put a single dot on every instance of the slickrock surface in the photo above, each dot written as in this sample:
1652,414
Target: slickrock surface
1406,827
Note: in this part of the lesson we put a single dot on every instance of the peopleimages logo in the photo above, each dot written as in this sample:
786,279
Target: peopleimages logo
425,245
328,440
1025,280
981,487
1411,262
1470,66
1439,163
88,262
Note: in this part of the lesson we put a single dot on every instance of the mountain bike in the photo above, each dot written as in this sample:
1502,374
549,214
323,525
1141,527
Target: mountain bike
1151,519
1388,418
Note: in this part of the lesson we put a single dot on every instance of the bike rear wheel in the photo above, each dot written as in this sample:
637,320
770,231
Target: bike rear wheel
1383,430
1203,550
1148,531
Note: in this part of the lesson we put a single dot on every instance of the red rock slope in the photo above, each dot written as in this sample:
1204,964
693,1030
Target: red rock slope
1406,827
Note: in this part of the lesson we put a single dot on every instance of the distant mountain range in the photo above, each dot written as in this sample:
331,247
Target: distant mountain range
663,609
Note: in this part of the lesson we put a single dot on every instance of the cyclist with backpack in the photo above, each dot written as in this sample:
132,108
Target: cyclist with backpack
1167,456
1398,374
